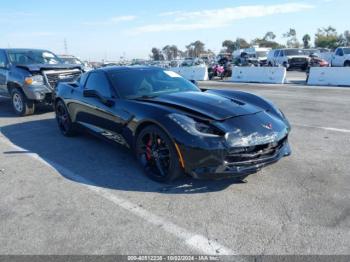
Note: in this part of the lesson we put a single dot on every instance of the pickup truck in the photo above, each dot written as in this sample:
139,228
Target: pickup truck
341,57
289,58
29,77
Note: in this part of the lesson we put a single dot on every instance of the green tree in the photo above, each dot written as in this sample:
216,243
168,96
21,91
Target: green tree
241,43
229,45
195,49
292,40
269,36
157,54
328,38
347,38
306,40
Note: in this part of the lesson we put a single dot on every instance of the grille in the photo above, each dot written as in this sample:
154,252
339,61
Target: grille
249,155
54,77
298,60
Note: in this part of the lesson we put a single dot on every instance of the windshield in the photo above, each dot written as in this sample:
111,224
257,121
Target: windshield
261,53
347,51
290,52
145,83
71,60
25,57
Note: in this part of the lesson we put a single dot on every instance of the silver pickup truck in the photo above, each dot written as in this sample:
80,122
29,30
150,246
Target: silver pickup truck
29,77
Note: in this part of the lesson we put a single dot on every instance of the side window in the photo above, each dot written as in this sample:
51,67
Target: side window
281,53
341,52
276,53
83,78
3,59
98,81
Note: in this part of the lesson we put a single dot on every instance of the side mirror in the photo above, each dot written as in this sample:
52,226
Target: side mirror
90,93
93,93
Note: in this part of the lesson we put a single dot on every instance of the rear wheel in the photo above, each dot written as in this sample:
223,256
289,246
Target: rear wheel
21,104
347,64
157,154
64,121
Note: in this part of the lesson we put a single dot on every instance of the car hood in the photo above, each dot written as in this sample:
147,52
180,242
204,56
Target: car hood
298,56
214,106
39,67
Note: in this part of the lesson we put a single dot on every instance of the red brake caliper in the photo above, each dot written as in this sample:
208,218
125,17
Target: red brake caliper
148,149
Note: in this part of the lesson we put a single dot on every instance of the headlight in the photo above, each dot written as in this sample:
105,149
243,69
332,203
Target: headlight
34,80
193,127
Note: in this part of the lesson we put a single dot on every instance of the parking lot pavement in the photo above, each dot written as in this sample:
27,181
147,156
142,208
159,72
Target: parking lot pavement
81,195
296,77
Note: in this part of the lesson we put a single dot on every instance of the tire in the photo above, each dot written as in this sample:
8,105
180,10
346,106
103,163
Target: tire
20,103
64,121
161,167
347,64
269,65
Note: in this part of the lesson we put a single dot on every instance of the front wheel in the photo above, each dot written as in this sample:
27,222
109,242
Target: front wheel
63,119
158,155
21,104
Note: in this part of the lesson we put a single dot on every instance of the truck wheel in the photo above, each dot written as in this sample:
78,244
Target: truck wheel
347,63
21,104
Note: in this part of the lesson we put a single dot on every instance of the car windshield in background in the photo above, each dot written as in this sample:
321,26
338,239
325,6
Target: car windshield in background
144,83
347,51
290,52
25,57
261,54
71,60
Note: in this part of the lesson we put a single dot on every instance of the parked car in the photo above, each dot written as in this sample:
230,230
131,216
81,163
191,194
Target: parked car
256,56
289,58
341,57
70,59
174,127
315,61
29,77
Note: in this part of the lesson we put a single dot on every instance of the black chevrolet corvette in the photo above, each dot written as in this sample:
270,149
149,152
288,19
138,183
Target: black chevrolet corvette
174,127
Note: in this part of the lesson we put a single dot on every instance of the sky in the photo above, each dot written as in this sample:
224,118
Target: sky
108,29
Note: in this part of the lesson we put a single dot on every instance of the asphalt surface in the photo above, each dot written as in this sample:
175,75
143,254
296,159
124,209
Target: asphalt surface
296,77
83,196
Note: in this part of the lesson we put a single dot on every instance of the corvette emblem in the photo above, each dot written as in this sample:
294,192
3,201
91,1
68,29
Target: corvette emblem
267,126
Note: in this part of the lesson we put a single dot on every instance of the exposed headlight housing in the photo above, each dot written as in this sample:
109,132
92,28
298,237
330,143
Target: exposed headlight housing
34,80
194,127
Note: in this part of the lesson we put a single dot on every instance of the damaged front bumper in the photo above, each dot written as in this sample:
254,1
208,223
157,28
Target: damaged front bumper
234,162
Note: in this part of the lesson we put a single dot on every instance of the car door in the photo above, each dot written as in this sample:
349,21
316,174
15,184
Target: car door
101,113
338,58
275,57
3,73
281,58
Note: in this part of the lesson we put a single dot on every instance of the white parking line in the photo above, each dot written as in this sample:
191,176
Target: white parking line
325,128
197,242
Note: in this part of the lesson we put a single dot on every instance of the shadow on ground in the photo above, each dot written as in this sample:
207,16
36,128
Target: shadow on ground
6,109
86,159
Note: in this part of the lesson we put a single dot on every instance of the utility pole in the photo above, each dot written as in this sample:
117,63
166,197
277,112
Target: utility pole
65,47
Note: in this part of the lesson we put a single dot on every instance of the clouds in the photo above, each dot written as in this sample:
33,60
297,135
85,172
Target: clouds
217,18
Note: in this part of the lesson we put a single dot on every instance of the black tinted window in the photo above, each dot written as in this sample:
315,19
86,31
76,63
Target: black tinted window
26,57
83,78
98,82
148,82
3,59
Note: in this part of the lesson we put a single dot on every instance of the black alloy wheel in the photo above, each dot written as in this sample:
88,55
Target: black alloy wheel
157,155
63,120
